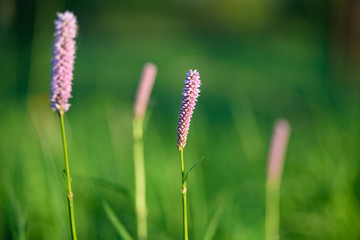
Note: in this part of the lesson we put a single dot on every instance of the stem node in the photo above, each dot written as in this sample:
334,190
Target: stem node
70,196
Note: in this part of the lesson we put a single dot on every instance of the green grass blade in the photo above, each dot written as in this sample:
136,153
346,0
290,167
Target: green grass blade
187,174
120,228
213,224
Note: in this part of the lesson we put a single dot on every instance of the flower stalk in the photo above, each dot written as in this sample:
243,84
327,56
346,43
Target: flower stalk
60,89
183,196
140,181
190,95
142,98
276,159
69,193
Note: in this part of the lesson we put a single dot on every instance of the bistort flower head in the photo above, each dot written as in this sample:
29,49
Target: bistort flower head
63,61
278,148
144,89
190,95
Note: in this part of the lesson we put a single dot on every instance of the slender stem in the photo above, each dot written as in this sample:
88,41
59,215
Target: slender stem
69,193
183,194
272,209
140,181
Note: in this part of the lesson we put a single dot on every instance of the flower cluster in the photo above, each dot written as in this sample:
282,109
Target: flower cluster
190,95
63,61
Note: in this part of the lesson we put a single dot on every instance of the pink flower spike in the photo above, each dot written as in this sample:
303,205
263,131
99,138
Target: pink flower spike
190,95
144,89
63,61
278,148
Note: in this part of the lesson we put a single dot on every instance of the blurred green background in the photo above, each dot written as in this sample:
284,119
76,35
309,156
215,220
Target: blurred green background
259,60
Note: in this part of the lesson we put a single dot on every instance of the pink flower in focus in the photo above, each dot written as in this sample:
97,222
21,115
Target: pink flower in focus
63,61
190,95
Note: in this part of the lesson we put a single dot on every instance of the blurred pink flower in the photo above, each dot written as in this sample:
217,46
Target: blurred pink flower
144,89
278,148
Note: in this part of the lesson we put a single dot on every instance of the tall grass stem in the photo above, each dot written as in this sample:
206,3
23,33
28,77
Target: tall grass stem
69,193
140,181
272,216
183,194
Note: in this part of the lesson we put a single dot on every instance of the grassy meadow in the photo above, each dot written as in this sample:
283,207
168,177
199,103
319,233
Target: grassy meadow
258,63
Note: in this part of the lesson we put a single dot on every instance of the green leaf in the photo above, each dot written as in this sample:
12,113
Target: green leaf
187,174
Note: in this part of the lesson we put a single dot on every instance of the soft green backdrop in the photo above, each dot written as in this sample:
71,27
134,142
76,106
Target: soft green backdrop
259,60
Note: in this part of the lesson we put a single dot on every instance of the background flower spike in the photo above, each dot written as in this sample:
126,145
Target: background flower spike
141,101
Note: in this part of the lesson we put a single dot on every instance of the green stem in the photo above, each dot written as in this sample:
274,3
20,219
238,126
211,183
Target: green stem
69,193
183,194
140,181
272,217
